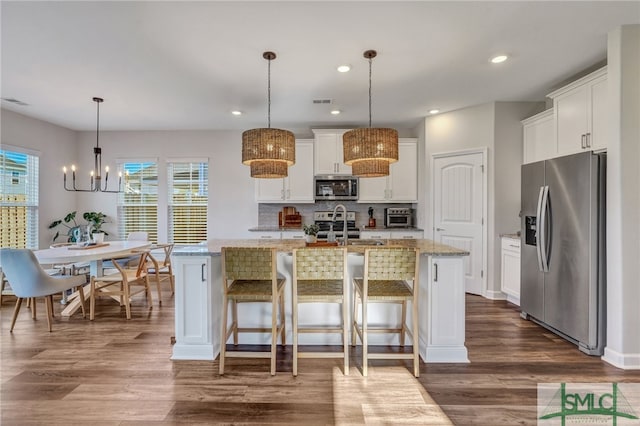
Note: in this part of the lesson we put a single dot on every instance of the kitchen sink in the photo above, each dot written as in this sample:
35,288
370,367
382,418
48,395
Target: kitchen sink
365,243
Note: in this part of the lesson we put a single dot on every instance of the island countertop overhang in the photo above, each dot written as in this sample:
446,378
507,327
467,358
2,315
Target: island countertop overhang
214,247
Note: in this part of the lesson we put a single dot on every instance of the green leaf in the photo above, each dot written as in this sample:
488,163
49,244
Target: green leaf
54,224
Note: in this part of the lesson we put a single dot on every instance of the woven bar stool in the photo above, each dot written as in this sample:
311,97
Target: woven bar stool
319,276
253,278
386,274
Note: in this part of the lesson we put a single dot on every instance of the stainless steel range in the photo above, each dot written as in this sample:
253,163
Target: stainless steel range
324,219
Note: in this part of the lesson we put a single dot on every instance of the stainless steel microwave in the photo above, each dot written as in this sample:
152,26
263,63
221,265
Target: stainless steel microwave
334,187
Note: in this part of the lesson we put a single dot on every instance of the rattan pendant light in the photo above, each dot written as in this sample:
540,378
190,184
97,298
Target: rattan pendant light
369,151
269,152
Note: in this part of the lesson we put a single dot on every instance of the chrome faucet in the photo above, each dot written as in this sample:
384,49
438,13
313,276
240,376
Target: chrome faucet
344,221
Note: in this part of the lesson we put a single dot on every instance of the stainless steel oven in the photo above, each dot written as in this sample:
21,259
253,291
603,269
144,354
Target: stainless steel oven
398,217
336,187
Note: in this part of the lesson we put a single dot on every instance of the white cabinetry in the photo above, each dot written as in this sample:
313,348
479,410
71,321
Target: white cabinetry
580,111
295,188
407,235
267,235
292,235
374,235
510,276
442,310
197,328
402,183
328,156
539,137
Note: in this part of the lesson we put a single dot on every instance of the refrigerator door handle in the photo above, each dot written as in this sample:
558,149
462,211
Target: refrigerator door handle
542,230
538,228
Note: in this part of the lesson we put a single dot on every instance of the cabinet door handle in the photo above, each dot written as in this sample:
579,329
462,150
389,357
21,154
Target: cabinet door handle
435,272
588,139
266,237
583,142
390,193
282,194
288,193
514,245
440,229
202,277
407,237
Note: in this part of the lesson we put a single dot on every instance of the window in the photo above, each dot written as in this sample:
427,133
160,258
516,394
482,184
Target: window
19,199
138,203
188,199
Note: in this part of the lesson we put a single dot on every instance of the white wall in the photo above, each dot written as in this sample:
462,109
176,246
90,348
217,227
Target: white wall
497,127
623,198
56,146
508,161
232,206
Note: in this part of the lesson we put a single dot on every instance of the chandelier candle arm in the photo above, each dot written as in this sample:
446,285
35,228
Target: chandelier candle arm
95,180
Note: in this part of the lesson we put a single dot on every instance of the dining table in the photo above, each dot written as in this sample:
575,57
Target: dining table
94,254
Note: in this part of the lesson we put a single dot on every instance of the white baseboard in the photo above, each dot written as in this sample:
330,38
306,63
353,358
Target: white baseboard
437,354
620,360
494,295
194,352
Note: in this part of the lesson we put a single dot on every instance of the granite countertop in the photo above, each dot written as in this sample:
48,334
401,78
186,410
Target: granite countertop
214,247
394,228
274,228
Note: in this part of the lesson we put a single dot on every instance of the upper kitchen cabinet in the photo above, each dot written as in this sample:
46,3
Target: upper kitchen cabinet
539,137
580,110
401,186
328,152
295,188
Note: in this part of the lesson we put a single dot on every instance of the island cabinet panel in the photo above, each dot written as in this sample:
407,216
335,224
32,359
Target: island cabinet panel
198,286
442,310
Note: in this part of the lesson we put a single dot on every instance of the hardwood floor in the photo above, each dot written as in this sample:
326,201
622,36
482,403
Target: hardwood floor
117,372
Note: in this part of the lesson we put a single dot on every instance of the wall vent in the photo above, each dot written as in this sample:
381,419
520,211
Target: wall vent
15,101
322,101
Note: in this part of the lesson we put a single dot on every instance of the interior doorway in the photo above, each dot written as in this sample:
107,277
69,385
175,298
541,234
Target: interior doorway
459,191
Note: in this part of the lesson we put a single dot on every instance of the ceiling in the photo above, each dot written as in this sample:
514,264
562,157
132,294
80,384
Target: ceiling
186,65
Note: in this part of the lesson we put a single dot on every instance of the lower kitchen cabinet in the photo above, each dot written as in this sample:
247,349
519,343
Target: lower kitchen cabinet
198,307
404,234
510,276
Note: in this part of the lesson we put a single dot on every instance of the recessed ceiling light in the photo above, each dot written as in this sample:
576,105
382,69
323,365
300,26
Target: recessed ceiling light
499,59
344,68
434,111
335,111
236,112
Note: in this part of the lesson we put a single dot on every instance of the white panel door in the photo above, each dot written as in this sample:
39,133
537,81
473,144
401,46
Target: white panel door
458,209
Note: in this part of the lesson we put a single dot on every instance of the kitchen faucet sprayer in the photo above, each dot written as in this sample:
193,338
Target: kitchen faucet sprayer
344,220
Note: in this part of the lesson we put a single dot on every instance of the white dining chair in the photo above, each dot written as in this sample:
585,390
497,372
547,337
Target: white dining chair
29,280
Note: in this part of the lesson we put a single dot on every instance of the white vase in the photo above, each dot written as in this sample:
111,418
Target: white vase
98,237
310,238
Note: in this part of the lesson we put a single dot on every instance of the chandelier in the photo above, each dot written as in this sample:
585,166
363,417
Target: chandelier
96,178
269,152
369,151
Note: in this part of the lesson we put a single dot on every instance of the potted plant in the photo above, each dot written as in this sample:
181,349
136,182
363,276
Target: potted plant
311,232
95,220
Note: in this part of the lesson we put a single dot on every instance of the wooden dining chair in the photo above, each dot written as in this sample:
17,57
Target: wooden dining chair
29,280
387,272
161,270
122,284
320,276
249,276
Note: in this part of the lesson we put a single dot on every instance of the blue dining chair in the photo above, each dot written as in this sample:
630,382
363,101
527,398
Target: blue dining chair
29,280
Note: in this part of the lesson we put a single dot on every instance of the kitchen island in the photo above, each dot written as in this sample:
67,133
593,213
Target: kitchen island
198,300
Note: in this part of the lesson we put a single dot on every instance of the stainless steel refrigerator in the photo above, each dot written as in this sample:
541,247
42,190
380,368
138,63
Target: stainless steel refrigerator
563,276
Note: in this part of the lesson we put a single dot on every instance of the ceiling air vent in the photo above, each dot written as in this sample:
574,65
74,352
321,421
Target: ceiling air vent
322,101
15,101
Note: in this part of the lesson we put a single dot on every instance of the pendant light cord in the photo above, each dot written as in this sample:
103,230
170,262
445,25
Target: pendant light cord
98,126
269,95
369,92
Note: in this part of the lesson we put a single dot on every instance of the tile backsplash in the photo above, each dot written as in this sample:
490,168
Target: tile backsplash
268,213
